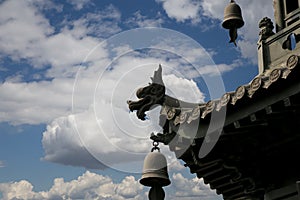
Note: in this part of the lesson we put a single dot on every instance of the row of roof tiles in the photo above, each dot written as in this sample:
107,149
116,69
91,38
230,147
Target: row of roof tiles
262,81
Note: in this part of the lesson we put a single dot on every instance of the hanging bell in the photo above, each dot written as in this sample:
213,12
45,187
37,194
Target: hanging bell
155,171
232,16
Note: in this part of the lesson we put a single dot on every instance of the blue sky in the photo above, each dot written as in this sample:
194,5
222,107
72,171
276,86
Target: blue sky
67,69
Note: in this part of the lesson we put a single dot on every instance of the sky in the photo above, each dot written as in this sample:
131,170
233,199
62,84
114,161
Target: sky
67,68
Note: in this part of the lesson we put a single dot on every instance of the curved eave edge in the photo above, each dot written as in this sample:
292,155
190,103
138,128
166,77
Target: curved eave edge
180,114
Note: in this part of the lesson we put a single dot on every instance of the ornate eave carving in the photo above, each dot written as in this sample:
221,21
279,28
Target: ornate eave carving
178,112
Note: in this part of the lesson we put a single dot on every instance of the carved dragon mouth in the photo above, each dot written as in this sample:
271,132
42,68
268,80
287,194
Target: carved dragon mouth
141,106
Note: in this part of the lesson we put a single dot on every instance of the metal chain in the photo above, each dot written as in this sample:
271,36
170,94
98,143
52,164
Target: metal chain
155,146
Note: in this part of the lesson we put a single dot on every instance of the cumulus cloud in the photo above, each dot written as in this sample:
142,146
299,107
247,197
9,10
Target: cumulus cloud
105,128
182,10
191,188
88,123
87,186
94,186
62,145
177,88
176,165
88,120
100,121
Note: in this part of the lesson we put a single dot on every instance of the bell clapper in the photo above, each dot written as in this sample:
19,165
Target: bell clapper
233,35
156,193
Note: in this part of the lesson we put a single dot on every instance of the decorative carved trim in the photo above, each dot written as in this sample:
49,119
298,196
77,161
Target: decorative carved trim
208,108
255,85
223,101
239,93
181,118
292,62
275,75
180,112
195,114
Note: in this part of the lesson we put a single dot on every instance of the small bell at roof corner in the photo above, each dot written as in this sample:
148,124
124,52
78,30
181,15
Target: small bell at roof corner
233,20
155,174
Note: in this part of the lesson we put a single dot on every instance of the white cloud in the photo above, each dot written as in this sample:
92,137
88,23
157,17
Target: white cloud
129,188
62,145
99,110
182,10
86,119
247,50
35,102
88,122
104,127
93,128
94,186
2,164
28,35
21,30
47,5
190,189
213,9
176,165
17,190
87,186
217,69
102,24
178,88
96,102
141,21
63,51
79,4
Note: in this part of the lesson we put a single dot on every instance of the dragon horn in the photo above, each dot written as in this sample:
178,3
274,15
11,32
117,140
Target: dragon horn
157,78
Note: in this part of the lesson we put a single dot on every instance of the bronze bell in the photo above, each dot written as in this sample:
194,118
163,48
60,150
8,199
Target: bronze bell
232,16
155,171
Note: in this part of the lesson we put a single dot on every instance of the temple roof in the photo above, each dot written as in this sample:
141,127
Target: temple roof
252,154
254,128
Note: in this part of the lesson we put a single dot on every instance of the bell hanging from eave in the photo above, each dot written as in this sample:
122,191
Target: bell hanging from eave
155,173
233,20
